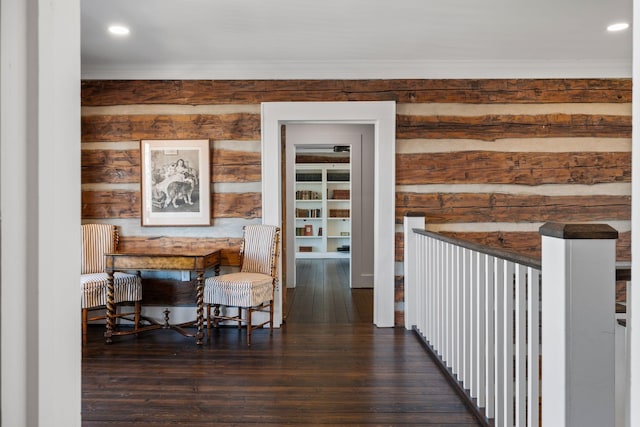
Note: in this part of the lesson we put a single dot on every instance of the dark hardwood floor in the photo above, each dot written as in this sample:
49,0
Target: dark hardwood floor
323,294
327,366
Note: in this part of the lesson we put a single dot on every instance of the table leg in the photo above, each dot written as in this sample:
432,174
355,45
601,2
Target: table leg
110,308
200,307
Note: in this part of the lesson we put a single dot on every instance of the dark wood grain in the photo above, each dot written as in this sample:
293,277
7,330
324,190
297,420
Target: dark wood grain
475,167
498,207
110,166
236,205
317,158
110,204
578,231
168,293
477,91
126,204
244,126
306,374
123,166
493,127
239,126
236,166
229,247
236,173
322,294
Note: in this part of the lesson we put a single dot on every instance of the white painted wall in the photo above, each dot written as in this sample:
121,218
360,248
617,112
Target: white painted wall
40,204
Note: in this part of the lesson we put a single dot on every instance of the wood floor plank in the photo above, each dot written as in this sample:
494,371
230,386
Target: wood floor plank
328,365
323,295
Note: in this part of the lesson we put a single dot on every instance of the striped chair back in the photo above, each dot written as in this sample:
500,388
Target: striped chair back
97,239
258,251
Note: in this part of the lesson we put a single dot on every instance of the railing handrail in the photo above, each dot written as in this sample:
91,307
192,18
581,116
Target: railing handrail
498,253
623,268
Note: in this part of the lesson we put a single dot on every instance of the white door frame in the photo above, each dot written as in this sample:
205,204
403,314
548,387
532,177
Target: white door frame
383,116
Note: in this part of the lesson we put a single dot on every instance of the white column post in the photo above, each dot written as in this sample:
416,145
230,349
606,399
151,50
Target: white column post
633,299
578,320
411,269
40,361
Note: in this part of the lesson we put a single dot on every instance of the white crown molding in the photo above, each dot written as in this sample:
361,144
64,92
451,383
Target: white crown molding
422,69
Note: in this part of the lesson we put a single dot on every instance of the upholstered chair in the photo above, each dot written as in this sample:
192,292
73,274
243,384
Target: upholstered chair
251,289
97,240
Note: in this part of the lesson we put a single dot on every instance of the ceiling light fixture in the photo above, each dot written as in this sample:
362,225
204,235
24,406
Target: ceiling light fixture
620,26
118,30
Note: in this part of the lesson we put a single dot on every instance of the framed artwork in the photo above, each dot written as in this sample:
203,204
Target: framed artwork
175,182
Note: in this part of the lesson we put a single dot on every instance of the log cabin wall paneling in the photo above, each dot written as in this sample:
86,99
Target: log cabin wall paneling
486,160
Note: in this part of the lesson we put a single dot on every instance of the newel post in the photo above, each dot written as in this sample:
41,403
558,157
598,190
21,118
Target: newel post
411,262
578,321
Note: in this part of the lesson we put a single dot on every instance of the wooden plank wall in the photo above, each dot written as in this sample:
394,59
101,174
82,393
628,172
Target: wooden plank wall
486,160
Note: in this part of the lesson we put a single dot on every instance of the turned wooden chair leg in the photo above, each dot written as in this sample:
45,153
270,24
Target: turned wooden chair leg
271,318
209,321
249,326
216,313
84,325
136,315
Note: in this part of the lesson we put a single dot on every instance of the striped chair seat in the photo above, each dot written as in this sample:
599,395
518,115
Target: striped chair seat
93,288
251,289
239,289
97,240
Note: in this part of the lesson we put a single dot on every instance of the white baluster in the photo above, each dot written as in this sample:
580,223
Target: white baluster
521,346
489,321
533,347
433,294
439,297
465,339
507,335
480,327
449,306
414,292
455,309
499,343
472,319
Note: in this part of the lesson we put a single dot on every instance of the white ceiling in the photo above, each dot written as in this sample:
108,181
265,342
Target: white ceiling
272,39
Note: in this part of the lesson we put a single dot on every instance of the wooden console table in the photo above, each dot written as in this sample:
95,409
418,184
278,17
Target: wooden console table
199,263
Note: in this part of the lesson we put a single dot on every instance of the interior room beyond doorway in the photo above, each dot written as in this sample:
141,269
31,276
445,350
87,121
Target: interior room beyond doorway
330,188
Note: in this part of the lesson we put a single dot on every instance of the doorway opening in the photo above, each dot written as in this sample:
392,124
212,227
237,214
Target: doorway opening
328,249
382,116
329,192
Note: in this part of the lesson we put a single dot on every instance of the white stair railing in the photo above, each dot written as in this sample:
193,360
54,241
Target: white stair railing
478,311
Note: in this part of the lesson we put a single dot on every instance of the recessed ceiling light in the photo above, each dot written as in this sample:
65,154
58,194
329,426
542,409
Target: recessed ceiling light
118,30
618,26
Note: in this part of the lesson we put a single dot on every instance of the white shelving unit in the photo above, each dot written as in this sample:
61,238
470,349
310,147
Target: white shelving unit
322,210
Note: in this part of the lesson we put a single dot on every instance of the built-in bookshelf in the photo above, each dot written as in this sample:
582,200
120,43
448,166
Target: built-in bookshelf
322,210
